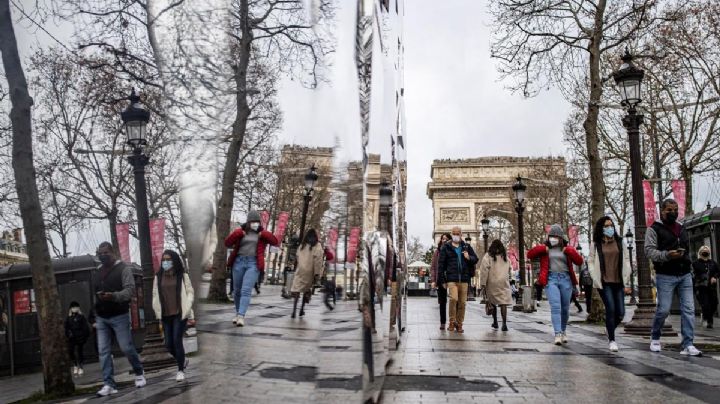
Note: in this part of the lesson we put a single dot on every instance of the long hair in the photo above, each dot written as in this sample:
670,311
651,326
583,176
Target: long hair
311,238
177,262
598,235
497,249
448,236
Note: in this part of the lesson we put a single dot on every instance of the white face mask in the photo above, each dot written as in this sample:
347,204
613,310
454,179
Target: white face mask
456,239
255,226
554,241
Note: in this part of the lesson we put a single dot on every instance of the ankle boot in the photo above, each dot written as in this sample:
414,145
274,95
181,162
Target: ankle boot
294,307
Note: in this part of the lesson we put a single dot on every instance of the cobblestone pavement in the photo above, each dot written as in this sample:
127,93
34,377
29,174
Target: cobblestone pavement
484,365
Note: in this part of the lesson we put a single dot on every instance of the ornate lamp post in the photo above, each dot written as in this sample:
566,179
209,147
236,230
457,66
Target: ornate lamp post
310,178
629,241
135,119
519,190
485,223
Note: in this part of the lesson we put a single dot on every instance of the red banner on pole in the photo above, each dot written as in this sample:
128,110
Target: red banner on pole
281,225
678,187
332,238
123,236
264,219
353,241
649,203
157,241
573,235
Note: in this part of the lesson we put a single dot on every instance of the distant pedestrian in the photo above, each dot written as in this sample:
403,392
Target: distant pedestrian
586,283
330,288
610,271
667,246
494,281
114,287
456,265
538,291
514,289
172,302
441,290
77,331
557,275
706,274
309,270
247,261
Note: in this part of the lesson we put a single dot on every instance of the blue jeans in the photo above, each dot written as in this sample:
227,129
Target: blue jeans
613,296
666,285
559,293
120,326
173,331
245,274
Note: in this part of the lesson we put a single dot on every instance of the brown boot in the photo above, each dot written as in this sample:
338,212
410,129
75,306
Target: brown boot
451,326
459,328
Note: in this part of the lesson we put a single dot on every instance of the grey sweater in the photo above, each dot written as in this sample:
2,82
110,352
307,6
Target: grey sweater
651,247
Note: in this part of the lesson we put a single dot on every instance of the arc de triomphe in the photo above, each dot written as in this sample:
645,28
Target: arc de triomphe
462,190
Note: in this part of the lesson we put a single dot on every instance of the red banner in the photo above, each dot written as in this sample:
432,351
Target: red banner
22,302
573,235
157,241
678,188
264,219
123,236
649,203
281,225
332,238
353,242
512,254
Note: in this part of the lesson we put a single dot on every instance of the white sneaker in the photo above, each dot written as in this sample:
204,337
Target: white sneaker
655,345
140,381
180,376
690,350
106,391
613,346
558,339
240,321
235,319
564,338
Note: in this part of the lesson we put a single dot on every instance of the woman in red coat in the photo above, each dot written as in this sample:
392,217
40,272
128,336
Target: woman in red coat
558,277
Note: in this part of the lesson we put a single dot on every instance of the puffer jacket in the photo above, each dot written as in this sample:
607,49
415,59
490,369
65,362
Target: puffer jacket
454,269
540,251
265,238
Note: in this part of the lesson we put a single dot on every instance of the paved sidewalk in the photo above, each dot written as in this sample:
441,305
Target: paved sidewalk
522,365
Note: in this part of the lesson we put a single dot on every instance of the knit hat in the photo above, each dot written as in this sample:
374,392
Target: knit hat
253,216
556,231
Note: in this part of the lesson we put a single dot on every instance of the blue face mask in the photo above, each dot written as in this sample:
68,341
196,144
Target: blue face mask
166,265
609,231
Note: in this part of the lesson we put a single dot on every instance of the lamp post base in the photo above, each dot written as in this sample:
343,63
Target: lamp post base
642,320
527,303
154,354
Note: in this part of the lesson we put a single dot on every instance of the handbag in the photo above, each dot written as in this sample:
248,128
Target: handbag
489,309
433,292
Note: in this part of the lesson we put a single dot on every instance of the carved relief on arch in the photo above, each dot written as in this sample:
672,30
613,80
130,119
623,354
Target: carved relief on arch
454,215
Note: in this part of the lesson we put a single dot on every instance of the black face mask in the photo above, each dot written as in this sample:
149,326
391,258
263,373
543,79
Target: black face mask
670,217
105,259
705,255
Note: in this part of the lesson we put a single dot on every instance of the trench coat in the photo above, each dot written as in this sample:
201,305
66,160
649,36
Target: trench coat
310,264
494,277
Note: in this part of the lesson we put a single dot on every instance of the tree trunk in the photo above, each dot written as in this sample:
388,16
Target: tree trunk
55,360
687,175
227,193
112,220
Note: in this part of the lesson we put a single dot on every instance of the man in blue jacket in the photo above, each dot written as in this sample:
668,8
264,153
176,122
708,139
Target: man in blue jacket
456,266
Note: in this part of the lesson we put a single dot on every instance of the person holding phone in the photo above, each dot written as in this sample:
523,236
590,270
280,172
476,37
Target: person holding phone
666,245
456,266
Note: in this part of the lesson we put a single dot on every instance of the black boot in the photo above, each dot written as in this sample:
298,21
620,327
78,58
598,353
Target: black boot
302,308
294,307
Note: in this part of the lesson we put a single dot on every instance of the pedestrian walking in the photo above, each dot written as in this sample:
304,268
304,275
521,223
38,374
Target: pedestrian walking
309,270
667,246
172,302
610,271
247,260
706,274
77,331
586,284
329,286
456,266
494,281
441,290
538,291
114,287
557,276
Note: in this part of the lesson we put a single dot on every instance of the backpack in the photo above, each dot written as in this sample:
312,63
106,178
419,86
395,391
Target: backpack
585,278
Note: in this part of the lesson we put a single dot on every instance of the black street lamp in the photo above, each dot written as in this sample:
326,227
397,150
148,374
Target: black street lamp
485,223
135,119
310,178
519,191
629,241
629,79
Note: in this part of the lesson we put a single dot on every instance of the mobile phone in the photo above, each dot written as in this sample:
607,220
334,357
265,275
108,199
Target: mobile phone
680,250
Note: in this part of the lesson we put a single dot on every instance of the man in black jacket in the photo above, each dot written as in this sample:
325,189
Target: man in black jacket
667,246
706,274
114,287
456,266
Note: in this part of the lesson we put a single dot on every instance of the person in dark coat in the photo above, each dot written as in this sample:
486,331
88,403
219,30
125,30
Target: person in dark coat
456,266
706,274
77,331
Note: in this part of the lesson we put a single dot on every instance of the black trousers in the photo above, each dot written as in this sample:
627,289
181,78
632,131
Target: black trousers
442,301
587,290
77,356
708,298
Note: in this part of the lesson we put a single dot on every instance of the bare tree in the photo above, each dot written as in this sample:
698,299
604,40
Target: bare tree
415,249
55,360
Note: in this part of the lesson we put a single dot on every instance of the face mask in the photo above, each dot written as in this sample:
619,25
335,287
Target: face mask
608,231
75,310
255,226
166,265
105,259
671,217
456,239
705,255
554,241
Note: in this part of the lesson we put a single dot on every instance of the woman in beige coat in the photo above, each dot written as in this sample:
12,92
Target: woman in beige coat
309,269
494,281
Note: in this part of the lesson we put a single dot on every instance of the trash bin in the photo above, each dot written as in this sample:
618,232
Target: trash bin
19,332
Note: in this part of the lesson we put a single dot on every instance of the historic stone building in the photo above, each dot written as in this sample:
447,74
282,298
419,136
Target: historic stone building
12,249
463,190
